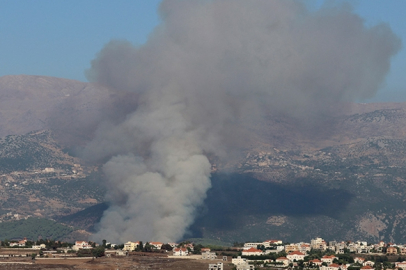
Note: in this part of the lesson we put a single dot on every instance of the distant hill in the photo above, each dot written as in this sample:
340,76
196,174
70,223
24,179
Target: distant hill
34,229
71,109
27,102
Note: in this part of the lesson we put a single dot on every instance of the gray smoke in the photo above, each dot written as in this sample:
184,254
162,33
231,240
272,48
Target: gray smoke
206,71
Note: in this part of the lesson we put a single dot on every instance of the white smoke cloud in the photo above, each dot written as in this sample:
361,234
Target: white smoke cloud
207,70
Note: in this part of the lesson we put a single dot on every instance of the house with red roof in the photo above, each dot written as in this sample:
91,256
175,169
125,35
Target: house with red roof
21,243
332,266
315,262
328,259
252,252
157,245
182,251
81,245
295,256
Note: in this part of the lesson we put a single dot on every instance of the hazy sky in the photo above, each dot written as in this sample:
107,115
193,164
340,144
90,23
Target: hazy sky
60,37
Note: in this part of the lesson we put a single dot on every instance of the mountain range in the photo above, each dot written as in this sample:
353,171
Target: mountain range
342,176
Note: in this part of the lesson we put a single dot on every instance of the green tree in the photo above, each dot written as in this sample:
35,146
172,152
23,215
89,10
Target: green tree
147,247
261,247
166,247
104,242
84,253
98,251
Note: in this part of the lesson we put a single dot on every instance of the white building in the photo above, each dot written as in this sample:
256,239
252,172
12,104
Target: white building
318,243
250,245
295,255
238,260
180,252
252,252
245,266
283,260
157,245
81,245
209,255
216,266
328,259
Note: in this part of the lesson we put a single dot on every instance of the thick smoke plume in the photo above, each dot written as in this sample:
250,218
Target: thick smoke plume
208,69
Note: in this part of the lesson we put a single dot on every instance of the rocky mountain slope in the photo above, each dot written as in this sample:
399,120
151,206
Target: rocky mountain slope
348,185
340,178
39,179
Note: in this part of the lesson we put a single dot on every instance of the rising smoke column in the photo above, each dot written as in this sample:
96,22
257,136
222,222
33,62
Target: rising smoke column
208,69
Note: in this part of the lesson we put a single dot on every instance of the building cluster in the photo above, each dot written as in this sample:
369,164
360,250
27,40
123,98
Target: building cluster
297,252
285,255
276,246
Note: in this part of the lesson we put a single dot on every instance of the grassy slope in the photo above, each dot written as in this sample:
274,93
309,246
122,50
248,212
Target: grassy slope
33,229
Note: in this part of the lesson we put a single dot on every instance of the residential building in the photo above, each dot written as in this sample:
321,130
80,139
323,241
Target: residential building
328,259
156,245
81,245
332,266
304,248
21,243
252,252
180,251
245,266
283,260
391,251
315,262
295,256
209,255
216,266
131,246
268,243
172,244
318,243
250,245
238,260
291,248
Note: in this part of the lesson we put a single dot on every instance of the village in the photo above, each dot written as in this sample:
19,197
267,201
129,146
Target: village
270,254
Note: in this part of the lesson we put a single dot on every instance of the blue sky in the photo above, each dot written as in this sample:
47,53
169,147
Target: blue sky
60,37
